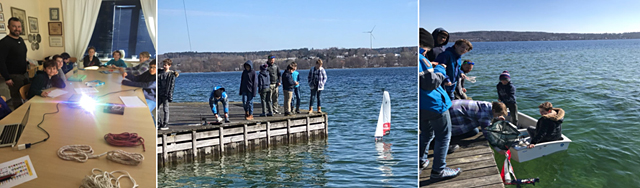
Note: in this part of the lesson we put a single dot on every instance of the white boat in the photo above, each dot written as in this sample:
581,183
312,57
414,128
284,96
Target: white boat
384,119
522,154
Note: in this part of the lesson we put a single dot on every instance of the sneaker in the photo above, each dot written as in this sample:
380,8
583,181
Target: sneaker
445,174
226,121
287,114
423,165
453,148
263,115
164,128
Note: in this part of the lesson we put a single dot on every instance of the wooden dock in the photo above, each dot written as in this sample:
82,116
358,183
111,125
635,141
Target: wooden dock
475,158
187,139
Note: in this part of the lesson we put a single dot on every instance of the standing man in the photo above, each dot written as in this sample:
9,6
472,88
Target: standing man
461,92
274,76
13,60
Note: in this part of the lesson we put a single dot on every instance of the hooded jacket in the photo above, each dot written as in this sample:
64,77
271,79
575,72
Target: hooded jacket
437,48
248,82
41,81
166,84
549,127
507,93
452,59
432,97
287,81
263,80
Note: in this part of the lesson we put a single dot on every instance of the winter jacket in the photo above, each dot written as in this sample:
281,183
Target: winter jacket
432,97
263,80
41,81
317,78
248,82
450,58
166,84
138,69
213,101
438,48
66,67
146,81
507,93
274,73
287,81
549,127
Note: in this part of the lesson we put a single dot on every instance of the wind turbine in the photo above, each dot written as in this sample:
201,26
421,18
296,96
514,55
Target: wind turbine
371,37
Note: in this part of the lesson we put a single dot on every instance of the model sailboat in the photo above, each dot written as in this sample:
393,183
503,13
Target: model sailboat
384,119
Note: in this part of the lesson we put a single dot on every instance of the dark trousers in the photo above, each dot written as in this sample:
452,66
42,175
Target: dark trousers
265,100
513,110
165,110
296,99
437,127
314,93
19,80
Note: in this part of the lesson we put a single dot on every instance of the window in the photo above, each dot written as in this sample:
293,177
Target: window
121,26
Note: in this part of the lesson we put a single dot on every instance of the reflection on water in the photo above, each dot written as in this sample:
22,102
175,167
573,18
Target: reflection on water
385,158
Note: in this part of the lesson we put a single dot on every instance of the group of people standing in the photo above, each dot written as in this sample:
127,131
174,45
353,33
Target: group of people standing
266,83
441,75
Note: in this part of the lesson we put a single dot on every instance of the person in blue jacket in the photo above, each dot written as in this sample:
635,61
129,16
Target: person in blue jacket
219,95
451,58
434,118
296,90
248,90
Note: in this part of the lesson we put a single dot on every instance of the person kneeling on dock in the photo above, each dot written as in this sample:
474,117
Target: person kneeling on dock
219,95
549,126
468,115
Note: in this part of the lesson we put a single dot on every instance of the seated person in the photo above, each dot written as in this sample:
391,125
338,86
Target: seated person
67,64
138,69
219,95
45,79
4,108
116,61
90,59
147,81
468,115
59,63
549,126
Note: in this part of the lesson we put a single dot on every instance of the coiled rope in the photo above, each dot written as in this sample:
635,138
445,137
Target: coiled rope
104,179
125,139
82,153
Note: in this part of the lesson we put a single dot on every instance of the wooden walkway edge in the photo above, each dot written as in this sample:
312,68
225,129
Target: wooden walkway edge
475,158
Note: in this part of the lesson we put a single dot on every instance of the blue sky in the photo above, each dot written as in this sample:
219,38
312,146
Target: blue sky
563,16
241,26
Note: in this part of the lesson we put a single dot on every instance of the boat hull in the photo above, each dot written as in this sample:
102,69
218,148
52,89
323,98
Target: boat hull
522,154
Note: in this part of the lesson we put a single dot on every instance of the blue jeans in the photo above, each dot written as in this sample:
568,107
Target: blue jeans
214,105
152,105
247,102
435,125
296,98
314,93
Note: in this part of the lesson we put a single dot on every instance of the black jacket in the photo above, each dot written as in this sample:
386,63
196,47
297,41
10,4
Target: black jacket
13,57
248,82
94,62
549,127
274,73
41,81
287,81
166,83
507,93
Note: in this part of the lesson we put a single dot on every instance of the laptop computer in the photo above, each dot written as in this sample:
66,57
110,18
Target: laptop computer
9,134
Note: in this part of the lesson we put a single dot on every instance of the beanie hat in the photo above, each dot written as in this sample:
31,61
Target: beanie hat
426,39
505,75
264,67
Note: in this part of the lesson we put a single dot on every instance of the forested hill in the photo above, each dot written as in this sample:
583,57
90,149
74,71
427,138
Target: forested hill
304,57
486,36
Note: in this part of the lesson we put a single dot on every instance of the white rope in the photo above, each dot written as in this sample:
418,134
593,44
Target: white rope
104,179
82,153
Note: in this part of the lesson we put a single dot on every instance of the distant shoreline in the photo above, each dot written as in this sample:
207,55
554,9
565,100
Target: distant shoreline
510,36
308,69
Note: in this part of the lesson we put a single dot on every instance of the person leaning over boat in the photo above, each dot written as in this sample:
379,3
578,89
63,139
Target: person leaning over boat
434,118
549,126
468,115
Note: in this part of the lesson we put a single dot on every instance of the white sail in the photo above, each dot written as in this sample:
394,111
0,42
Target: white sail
384,119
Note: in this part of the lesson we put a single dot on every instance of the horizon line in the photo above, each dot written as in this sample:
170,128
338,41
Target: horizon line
291,49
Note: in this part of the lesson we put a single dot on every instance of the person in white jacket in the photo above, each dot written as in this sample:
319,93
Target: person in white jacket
317,78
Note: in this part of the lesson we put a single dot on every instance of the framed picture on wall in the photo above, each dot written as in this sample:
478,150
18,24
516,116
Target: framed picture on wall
1,17
54,14
33,25
0,7
55,41
20,14
3,28
55,28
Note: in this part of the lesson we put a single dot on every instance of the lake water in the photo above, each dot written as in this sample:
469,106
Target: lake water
595,82
349,157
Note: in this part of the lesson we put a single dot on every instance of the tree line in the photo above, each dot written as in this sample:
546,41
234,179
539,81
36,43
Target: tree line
304,57
487,36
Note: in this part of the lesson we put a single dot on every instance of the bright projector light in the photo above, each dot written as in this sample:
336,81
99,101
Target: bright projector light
87,103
